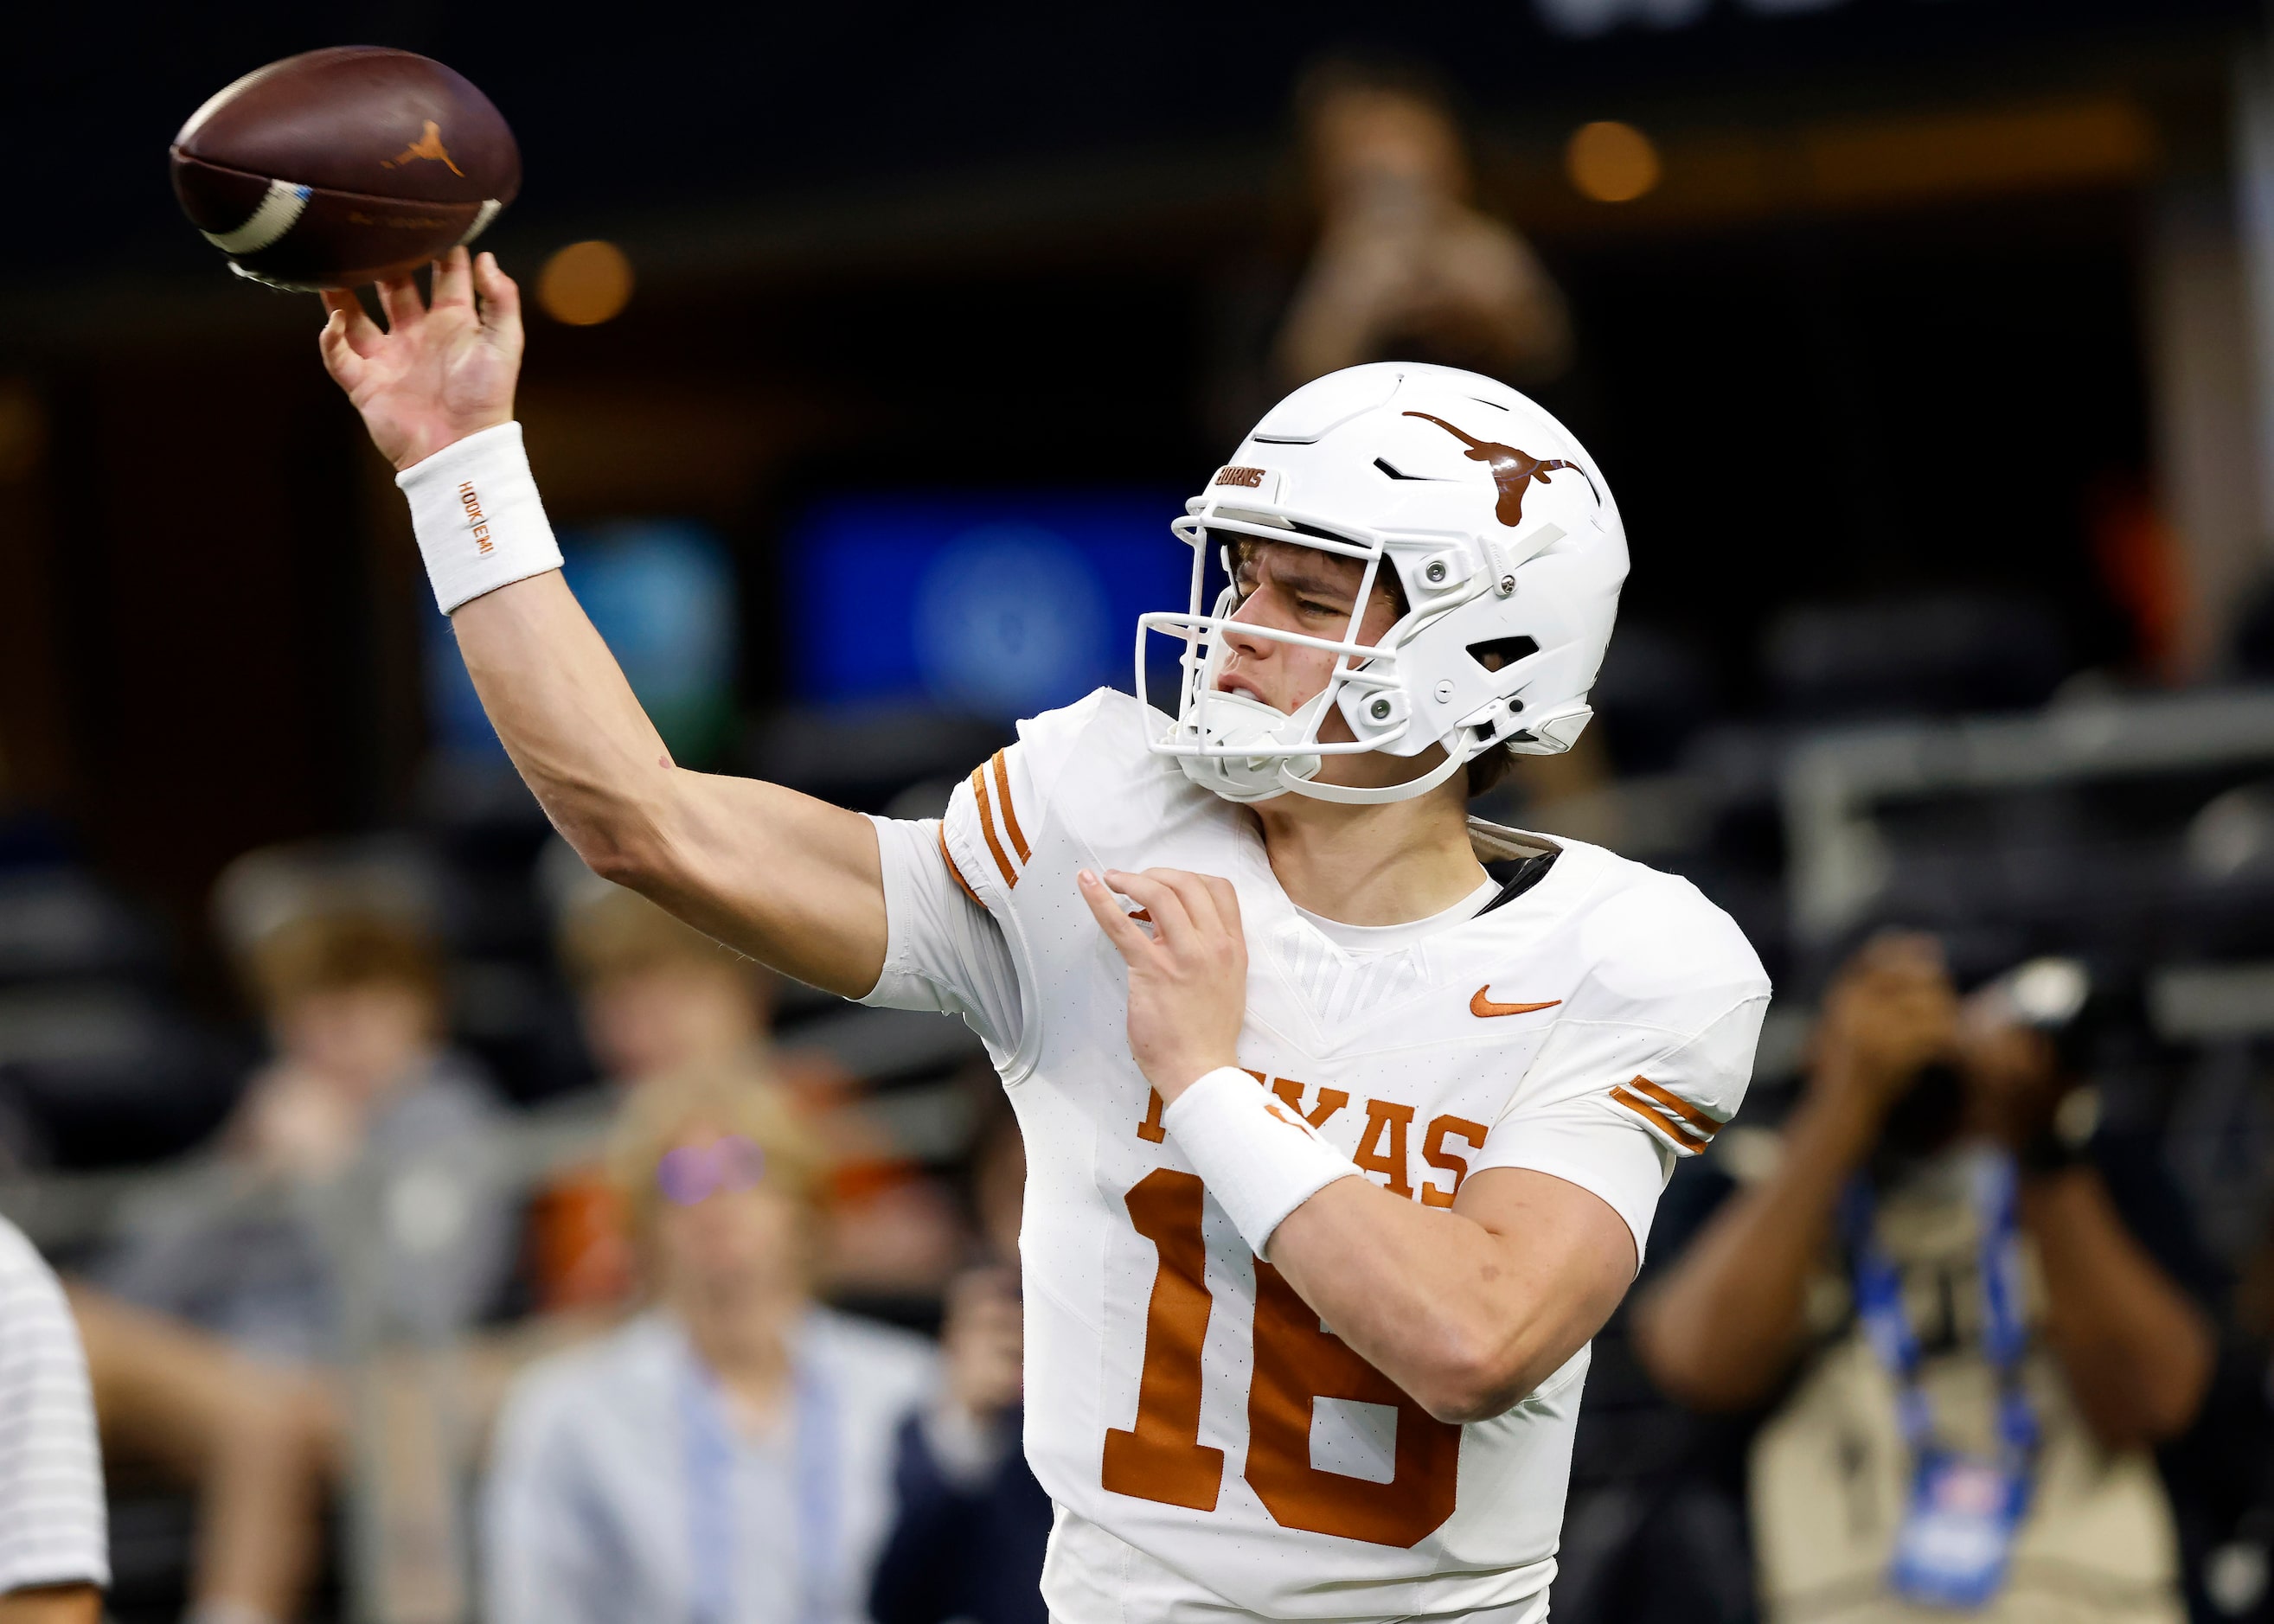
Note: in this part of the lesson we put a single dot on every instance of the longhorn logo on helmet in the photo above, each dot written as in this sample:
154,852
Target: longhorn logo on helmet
1511,469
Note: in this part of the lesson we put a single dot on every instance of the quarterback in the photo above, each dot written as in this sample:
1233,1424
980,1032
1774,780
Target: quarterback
1341,1150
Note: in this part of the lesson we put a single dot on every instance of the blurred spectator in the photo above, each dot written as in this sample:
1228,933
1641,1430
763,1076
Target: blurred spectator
209,1348
658,997
54,1555
354,1007
972,1522
1407,266
1973,1346
727,1455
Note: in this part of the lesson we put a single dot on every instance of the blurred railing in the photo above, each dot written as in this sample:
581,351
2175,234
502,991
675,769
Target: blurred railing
1836,785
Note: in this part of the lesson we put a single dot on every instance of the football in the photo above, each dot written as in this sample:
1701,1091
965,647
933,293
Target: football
341,166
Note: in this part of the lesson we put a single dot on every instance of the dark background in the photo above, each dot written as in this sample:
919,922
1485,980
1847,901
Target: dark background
883,246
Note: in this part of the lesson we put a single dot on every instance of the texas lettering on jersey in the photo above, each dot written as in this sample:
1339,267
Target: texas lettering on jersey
1201,1429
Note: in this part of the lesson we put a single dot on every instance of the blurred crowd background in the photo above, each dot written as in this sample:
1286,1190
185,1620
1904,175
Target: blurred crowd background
398,1170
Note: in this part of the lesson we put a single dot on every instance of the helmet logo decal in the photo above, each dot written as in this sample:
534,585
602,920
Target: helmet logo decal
1251,478
1511,469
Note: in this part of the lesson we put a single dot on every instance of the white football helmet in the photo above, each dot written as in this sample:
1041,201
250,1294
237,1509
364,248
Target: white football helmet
1502,532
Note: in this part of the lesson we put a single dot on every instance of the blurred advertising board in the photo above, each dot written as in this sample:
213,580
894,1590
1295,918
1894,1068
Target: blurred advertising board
990,603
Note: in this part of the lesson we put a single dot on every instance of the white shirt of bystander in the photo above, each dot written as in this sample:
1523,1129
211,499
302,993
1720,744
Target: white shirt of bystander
616,1493
52,1525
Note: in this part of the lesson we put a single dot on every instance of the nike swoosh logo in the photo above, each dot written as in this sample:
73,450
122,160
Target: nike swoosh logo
1484,1008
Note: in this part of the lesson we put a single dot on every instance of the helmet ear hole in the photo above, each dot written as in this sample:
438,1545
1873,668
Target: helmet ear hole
1499,653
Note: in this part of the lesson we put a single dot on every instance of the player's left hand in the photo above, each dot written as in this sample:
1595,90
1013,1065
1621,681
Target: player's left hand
1188,976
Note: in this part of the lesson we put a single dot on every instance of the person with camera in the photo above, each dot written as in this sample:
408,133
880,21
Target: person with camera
1968,1350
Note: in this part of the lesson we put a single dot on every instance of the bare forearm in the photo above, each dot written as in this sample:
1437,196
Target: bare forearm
52,1604
567,718
2137,1353
1718,1331
792,881
1467,1319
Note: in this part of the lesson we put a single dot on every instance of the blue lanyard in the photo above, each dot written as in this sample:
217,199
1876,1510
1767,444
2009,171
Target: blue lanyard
2005,1338
712,1533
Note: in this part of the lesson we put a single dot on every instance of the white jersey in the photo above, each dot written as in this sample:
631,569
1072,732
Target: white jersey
1213,1448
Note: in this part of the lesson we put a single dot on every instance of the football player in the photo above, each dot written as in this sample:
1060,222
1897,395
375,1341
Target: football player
1340,1149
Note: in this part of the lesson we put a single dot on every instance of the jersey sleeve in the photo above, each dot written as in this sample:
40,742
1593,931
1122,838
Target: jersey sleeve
943,951
1650,1059
948,881
953,936
1621,1139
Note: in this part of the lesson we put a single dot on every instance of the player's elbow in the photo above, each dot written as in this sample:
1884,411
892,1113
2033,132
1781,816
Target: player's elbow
634,864
1473,1376
629,846
1460,1399
626,838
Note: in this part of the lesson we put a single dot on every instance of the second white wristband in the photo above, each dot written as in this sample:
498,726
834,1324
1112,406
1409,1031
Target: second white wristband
475,510
1259,1160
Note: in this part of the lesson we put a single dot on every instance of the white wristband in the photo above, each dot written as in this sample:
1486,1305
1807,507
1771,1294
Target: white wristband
1258,1159
475,510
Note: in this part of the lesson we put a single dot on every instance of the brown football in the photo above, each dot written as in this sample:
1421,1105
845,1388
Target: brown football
341,167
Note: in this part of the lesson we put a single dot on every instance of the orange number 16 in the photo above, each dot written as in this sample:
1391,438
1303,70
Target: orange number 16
1162,1457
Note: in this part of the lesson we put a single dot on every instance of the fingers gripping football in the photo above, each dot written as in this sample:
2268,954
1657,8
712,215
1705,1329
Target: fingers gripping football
1187,975
441,369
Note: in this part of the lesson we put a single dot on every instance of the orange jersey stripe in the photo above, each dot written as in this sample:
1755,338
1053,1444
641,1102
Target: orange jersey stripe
1672,1130
1010,813
987,827
948,858
1667,1099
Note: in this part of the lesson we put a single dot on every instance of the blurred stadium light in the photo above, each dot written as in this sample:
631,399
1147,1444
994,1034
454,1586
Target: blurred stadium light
1611,162
585,283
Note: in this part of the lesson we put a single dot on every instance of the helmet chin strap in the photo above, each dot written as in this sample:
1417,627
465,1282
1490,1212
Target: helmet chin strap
1351,795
